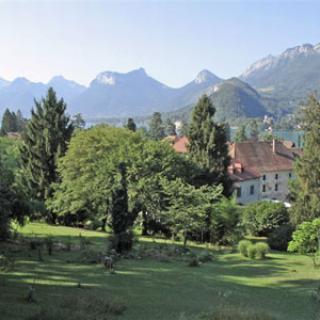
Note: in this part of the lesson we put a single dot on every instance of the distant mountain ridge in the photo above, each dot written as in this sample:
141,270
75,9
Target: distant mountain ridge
110,94
274,85
136,93
20,93
288,77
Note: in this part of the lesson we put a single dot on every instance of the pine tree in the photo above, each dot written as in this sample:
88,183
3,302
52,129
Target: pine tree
305,190
156,129
21,121
122,220
131,125
241,134
208,145
45,140
9,122
170,128
254,130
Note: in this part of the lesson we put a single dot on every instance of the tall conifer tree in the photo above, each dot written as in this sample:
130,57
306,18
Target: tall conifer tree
208,145
122,219
305,190
156,129
45,140
9,122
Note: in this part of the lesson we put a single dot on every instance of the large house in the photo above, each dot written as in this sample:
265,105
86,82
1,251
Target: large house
259,170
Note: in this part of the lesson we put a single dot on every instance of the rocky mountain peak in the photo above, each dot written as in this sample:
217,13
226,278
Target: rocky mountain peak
205,76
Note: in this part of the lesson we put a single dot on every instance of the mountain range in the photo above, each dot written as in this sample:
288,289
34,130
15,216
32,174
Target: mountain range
272,85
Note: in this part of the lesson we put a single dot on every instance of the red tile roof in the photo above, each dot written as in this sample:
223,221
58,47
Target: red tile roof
250,159
259,157
181,144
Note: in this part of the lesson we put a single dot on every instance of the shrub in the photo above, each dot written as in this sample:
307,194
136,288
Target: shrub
279,239
243,247
262,249
252,251
263,217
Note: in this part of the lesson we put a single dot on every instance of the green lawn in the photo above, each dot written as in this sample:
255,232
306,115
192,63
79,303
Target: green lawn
281,285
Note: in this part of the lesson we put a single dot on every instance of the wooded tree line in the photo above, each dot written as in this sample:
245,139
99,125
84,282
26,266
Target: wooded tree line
117,178
112,177
12,122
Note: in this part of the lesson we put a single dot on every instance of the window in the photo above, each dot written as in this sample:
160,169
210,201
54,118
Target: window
252,189
264,188
239,192
290,174
276,187
276,176
264,177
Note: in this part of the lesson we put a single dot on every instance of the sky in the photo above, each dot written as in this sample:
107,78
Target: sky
172,40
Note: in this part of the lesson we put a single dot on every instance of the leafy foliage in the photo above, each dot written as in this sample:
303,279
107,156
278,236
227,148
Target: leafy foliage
243,247
262,218
13,196
88,173
306,238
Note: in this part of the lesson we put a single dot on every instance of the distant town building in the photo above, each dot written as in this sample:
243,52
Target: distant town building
259,170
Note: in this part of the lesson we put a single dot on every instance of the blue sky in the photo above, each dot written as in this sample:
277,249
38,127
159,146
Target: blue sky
172,40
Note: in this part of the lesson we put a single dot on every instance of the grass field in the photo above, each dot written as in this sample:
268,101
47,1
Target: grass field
282,285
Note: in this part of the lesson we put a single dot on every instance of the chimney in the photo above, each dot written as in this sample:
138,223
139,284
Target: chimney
231,169
273,145
238,167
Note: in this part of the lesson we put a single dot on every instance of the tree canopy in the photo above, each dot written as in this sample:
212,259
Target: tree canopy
305,190
208,145
45,140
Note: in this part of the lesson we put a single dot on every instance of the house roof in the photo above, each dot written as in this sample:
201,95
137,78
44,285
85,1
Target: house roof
250,159
260,157
180,144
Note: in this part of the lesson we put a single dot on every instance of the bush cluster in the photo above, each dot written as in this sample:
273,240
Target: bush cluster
253,251
280,237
